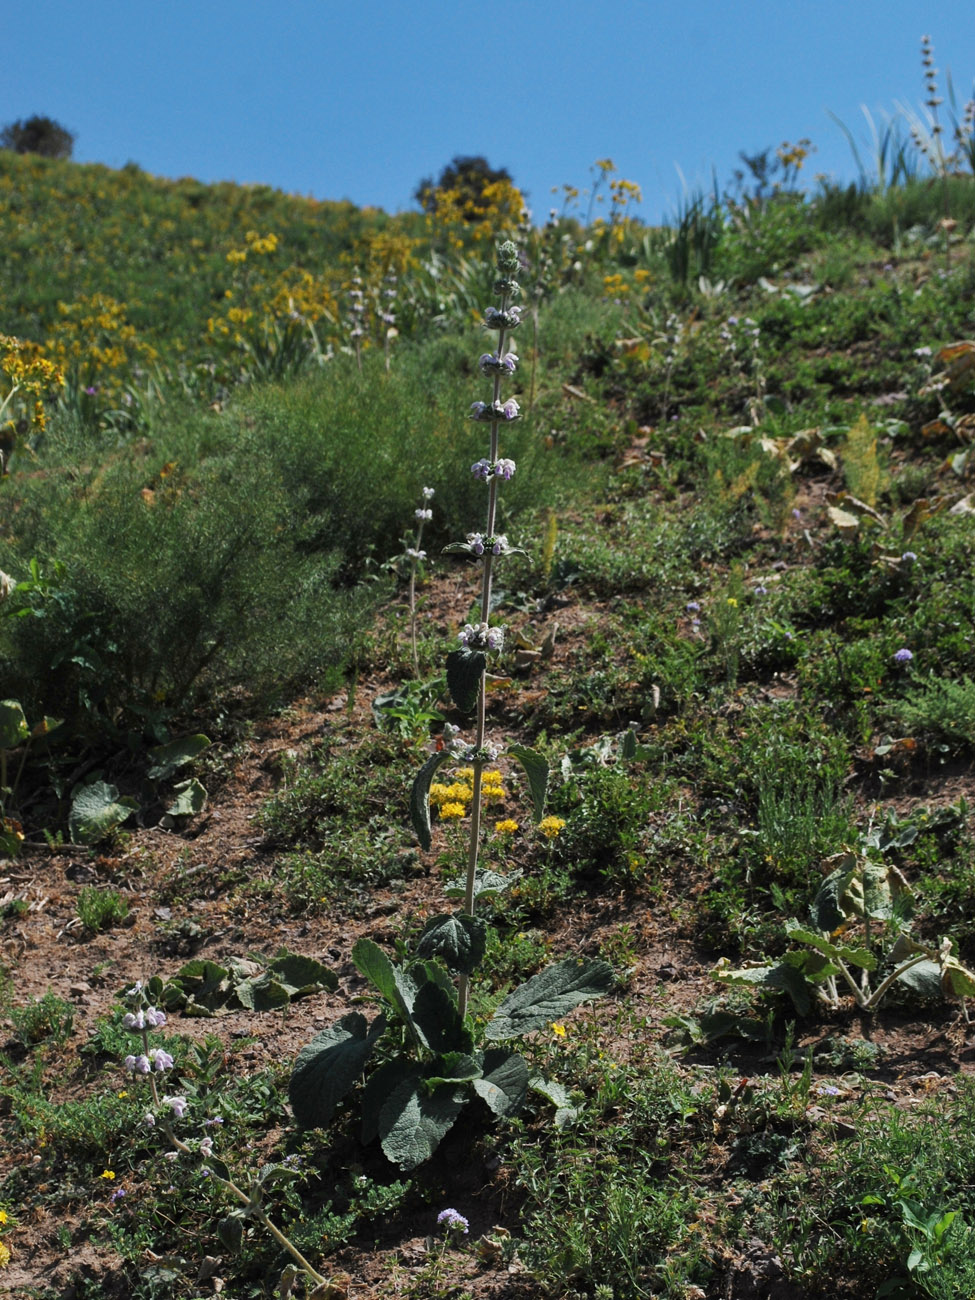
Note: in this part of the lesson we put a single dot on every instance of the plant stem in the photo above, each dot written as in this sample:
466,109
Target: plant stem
463,981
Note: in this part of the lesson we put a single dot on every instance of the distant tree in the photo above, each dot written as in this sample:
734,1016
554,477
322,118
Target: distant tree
38,135
469,176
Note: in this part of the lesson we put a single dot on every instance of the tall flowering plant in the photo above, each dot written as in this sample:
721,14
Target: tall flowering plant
437,1057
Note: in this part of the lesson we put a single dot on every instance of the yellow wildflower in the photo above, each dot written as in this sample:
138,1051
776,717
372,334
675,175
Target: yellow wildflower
732,601
4,1255
551,826
3,1216
558,1030
507,827
451,810
108,1174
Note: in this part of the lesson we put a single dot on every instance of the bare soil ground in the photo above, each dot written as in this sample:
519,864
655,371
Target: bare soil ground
48,949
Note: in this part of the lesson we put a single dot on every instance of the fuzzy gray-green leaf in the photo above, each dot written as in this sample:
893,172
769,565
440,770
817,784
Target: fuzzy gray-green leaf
536,770
413,1121
465,668
548,996
458,940
420,798
328,1067
504,1082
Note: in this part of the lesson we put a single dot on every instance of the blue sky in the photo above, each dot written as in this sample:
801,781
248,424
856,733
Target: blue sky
361,100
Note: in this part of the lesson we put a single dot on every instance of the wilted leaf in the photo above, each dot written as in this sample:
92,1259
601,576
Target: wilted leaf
190,799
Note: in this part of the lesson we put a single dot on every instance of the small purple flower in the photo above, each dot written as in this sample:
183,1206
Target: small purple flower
428,493
692,607
137,1064
903,656
504,469
510,409
480,411
732,320
497,320
422,513
206,1146
481,469
117,1194
922,352
909,557
453,1221
161,1060
177,1105
499,544
134,1020
489,363
149,1119
91,390
414,554
761,591
155,1018
796,512
476,542
828,1090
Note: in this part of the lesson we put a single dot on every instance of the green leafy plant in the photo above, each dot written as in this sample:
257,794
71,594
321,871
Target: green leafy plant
100,909
875,898
440,1058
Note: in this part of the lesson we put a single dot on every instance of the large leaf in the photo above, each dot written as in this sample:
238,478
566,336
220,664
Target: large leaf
167,758
487,884
420,797
465,669
504,1081
328,1067
548,996
536,770
458,940
394,984
96,810
413,1120
438,1021
923,978
378,1087
13,724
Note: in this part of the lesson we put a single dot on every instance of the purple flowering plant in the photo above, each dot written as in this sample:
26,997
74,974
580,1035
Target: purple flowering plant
165,1109
438,1057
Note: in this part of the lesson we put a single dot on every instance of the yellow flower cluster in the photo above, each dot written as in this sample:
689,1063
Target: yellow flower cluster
31,377
551,827
614,286
94,342
451,800
455,215
4,1255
